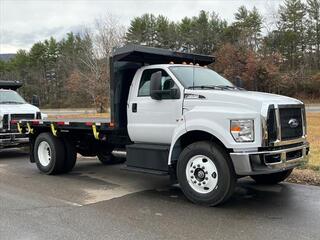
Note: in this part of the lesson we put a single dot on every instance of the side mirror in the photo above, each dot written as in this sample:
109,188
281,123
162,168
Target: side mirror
35,101
155,86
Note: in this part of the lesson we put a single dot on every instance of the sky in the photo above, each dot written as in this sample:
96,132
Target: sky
25,22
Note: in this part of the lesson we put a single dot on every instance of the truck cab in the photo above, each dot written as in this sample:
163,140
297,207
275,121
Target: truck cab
13,108
173,115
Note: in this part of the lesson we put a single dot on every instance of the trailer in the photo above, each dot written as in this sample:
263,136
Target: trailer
172,115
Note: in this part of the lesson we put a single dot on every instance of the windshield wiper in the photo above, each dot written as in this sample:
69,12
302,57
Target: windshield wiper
229,87
10,102
203,87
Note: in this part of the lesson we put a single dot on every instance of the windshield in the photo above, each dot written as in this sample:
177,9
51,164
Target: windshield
198,77
10,97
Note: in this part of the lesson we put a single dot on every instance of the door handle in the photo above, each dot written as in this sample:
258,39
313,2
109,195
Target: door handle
134,107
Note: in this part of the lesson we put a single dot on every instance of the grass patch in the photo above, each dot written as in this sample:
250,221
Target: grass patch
313,130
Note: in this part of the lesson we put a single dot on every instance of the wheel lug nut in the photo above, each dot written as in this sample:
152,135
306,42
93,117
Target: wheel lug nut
198,165
199,184
206,178
191,176
194,166
203,167
203,183
191,171
206,172
194,182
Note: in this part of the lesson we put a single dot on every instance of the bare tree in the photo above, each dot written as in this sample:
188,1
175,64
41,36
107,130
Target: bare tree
97,47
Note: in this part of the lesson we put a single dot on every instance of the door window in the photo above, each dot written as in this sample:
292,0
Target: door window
166,83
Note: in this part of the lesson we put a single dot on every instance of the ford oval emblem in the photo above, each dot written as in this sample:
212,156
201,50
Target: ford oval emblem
293,123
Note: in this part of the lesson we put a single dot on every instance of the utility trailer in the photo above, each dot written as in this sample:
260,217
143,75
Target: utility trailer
171,115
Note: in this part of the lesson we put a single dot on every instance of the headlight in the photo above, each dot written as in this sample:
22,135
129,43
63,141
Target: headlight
242,130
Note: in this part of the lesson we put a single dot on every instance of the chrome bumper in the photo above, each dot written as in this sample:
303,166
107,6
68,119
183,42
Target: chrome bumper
12,140
264,162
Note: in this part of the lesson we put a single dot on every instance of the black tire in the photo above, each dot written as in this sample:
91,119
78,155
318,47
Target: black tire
226,175
272,178
57,154
107,158
70,156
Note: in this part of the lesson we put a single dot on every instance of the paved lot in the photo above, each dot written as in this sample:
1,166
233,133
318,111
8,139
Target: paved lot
103,202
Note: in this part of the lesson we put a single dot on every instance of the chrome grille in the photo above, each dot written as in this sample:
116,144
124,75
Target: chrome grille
288,116
279,123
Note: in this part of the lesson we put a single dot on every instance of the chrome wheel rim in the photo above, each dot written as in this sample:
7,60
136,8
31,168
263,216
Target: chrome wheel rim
44,153
202,174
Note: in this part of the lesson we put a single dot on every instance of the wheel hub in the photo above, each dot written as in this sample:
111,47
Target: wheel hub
202,174
199,174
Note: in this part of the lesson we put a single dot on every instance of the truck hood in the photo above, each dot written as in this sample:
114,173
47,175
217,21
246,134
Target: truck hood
248,100
17,108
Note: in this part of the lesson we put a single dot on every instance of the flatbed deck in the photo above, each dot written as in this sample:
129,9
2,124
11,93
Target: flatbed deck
94,125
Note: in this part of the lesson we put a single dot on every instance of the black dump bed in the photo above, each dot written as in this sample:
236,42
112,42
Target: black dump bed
124,63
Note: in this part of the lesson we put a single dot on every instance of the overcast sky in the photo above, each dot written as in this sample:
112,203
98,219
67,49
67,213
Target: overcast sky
24,22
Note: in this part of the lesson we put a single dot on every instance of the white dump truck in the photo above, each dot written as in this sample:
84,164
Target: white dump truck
172,115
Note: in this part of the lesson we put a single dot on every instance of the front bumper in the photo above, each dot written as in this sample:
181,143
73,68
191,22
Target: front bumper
12,140
270,161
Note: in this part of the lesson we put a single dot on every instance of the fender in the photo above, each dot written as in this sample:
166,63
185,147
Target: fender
203,125
218,127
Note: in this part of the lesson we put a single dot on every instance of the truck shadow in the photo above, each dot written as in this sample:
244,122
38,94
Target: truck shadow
248,197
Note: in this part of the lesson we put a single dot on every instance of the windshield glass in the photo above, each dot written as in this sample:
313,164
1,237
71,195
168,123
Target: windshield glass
10,97
195,77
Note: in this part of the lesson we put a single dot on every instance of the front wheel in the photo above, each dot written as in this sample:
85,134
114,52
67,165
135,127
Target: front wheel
272,178
206,174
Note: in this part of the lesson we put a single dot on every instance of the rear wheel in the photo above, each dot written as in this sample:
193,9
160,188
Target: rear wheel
205,174
49,154
70,156
272,178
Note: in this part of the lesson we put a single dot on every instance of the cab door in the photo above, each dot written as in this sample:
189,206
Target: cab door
149,120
